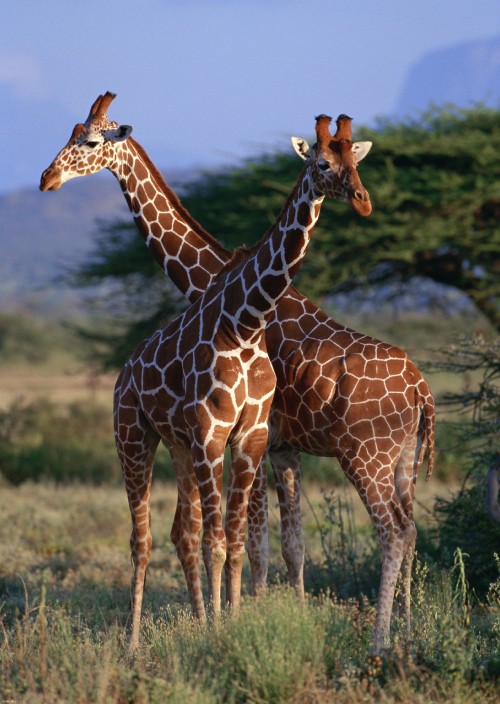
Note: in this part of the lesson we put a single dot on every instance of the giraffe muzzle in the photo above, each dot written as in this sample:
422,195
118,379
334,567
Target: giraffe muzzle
360,202
50,180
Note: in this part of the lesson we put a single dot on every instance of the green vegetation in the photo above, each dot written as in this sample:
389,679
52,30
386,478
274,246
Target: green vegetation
22,339
64,553
435,189
65,574
44,441
64,607
462,517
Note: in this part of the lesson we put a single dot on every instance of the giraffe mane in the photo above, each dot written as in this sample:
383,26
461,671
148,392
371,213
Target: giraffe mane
289,199
244,252
238,256
174,198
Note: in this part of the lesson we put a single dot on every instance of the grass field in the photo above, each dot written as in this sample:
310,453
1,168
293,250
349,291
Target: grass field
64,590
65,574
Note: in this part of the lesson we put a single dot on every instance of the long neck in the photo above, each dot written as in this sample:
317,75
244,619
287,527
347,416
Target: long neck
254,288
184,250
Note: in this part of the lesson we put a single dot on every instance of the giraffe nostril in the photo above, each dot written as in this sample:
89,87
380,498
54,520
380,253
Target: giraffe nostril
360,195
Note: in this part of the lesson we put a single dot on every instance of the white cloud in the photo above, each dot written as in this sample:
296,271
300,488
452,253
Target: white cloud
22,73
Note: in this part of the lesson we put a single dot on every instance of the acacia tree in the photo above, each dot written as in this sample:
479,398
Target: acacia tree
435,187
469,518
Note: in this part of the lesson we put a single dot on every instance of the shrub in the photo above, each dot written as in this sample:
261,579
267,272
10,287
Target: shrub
42,441
463,520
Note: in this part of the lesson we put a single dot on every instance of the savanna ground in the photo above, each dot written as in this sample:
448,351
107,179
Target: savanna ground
65,574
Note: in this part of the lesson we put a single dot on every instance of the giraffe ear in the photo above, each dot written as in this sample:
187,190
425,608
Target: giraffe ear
301,147
361,149
119,134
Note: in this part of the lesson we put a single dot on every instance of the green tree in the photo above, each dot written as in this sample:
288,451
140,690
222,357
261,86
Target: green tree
467,518
435,188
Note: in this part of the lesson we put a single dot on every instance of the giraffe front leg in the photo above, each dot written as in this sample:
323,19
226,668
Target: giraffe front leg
140,544
136,444
286,468
246,457
186,528
258,531
209,464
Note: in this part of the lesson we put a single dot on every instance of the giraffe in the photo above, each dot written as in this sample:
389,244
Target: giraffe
205,381
339,393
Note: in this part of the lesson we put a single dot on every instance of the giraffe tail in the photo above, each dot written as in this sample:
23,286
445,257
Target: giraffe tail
426,426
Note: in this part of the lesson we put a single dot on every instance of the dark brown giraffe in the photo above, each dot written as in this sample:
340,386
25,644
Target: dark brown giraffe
339,393
199,384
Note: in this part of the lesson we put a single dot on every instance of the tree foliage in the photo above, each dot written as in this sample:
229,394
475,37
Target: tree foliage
467,518
435,189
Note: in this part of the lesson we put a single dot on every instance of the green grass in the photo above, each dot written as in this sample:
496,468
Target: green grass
64,578
65,573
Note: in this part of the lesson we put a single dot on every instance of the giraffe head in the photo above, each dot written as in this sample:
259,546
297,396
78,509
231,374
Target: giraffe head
333,160
91,147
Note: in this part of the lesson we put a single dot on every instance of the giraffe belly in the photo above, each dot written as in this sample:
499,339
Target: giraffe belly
351,407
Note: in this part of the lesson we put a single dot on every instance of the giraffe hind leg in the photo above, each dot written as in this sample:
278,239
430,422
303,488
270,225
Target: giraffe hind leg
405,476
186,527
286,469
394,551
395,531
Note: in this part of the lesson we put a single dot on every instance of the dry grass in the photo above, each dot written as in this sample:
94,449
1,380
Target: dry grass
62,383
75,534
64,578
64,592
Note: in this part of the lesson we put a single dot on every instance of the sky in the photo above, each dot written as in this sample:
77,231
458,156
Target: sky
207,82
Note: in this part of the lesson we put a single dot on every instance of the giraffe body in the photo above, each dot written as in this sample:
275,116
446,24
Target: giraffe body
196,387
339,393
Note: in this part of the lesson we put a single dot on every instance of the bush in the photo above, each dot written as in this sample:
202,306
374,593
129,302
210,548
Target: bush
463,520
42,441
350,564
23,339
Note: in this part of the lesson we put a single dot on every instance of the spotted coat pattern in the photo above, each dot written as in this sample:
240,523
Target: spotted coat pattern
339,393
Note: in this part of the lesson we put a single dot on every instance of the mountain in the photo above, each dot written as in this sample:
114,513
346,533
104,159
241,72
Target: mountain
42,234
464,75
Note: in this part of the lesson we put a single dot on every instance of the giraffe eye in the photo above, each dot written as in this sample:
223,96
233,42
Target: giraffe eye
323,165
91,145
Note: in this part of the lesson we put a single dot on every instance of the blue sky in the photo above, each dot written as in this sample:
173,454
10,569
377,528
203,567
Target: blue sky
209,81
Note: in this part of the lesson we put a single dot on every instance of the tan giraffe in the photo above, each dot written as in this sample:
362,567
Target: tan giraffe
340,393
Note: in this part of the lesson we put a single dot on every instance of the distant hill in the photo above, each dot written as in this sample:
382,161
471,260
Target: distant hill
41,234
464,75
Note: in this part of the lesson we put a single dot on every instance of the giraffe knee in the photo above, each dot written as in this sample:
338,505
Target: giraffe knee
234,558
140,547
185,543
410,535
293,549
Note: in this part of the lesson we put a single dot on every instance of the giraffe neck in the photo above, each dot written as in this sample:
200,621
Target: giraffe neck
254,288
188,254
